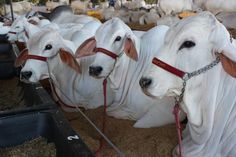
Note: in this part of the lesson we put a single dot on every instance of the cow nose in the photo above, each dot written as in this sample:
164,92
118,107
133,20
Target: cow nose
145,82
25,75
95,70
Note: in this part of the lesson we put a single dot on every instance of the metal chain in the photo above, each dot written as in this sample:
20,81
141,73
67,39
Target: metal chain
187,76
179,98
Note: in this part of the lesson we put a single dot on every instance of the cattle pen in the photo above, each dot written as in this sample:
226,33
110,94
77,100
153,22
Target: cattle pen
74,73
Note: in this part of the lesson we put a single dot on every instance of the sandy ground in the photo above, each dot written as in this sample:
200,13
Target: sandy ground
133,142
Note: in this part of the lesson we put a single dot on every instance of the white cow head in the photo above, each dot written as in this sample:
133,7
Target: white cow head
189,45
114,36
16,28
46,43
21,29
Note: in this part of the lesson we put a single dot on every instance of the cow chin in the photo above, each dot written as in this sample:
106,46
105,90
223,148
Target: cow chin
97,77
155,92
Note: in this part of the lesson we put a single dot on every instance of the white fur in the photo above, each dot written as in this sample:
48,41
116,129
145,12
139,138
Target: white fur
209,98
81,89
173,6
130,102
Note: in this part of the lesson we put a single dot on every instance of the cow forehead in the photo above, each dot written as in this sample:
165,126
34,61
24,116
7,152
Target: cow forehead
39,39
109,28
195,25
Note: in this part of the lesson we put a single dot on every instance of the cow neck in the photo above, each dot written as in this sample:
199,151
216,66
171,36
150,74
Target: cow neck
216,100
62,76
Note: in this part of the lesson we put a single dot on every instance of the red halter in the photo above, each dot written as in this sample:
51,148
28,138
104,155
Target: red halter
44,59
107,52
168,67
26,33
36,57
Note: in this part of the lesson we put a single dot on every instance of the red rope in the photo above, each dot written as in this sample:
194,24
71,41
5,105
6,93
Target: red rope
176,112
101,142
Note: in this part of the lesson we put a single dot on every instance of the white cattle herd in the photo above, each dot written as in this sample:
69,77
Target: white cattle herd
193,59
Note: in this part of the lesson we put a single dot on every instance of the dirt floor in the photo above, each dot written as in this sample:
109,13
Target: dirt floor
133,142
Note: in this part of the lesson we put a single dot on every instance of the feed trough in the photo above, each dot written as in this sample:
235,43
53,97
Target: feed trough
49,124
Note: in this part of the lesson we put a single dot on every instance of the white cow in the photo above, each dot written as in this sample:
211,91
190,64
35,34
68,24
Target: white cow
209,99
173,6
228,19
167,20
71,18
216,6
19,30
81,89
80,6
4,29
149,17
124,72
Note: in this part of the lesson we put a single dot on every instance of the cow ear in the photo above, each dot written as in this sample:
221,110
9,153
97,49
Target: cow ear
228,65
69,59
130,49
223,42
87,48
21,58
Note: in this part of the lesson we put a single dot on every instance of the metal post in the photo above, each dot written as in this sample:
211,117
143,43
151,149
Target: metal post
12,16
4,4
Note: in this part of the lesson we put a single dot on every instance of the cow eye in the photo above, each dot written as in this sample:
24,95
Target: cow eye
118,38
48,47
187,44
17,27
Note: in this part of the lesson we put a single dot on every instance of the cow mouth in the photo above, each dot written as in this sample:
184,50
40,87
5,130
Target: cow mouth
146,92
96,76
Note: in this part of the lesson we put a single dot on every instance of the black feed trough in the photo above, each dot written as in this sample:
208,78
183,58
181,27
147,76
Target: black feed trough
49,124
39,116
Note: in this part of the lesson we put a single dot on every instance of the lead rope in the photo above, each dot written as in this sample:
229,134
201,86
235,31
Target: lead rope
120,154
104,108
176,112
104,116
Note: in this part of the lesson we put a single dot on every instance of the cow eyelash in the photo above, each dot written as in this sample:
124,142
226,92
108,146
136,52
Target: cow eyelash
118,38
48,47
187,44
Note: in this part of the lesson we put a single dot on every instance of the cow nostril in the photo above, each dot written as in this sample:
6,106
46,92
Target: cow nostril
99,69
145,82
95,70
26,74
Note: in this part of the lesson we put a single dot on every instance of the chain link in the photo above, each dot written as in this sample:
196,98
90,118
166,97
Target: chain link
187,76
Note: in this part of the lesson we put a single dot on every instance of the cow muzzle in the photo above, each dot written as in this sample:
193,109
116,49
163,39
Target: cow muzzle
145,82
25,75
95,70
